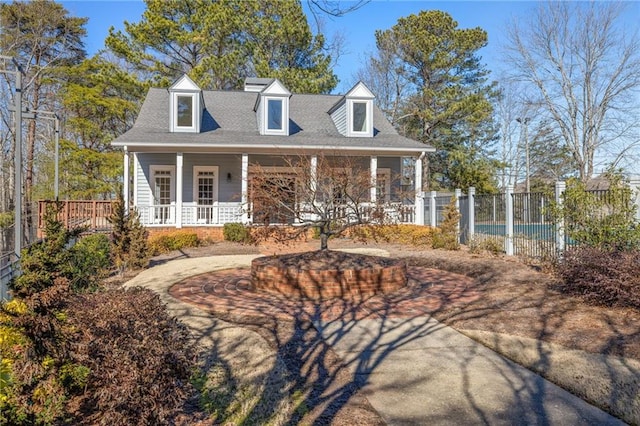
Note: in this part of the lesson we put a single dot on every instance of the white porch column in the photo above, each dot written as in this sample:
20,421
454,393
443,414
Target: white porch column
314,173
419,198
134,170
244,198
374,179
125,184
179,178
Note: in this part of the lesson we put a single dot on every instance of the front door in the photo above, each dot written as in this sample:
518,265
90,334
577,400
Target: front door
162,195
206,191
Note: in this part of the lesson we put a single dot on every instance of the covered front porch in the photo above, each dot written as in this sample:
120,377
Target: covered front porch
210,189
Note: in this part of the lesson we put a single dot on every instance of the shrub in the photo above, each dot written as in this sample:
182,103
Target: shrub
489,243
91,261
607,221
129,247
236,232
32,392
45,261
608,277
140,358
416,235
446,235
176,240
85,358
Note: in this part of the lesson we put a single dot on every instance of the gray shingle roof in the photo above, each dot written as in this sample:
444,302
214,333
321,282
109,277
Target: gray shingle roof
229,124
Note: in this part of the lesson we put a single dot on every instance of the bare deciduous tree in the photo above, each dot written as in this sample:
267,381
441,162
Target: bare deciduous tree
332,194
584,71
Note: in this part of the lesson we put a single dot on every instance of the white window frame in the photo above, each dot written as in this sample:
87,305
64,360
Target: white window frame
368,132
174,112
216,188
285,115
172,190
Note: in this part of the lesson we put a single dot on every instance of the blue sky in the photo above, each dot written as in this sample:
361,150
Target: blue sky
357,27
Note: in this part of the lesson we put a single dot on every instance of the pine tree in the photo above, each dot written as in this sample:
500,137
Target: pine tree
129,248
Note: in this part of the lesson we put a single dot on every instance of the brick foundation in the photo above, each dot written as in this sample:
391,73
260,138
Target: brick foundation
348,283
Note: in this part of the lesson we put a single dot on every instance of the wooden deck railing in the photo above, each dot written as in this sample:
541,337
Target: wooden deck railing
92,215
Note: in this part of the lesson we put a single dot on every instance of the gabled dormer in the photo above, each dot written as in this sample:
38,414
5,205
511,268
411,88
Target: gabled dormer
272,109
353,113
185,106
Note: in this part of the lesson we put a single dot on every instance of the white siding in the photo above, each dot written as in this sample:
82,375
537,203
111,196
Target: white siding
259,114
339,117
145,160
226,163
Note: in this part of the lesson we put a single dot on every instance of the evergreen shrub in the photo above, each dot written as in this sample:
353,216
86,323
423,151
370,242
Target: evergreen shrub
236,232
446,235
176,240
129,247
91,260
416,235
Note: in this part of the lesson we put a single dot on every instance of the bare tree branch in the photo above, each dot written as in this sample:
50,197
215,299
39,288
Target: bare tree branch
585,71
332,194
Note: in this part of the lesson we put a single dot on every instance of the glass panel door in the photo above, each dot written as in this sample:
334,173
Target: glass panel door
206,187
162,195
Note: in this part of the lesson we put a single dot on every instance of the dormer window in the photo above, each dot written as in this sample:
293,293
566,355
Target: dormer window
353,113
359,117
186,106
184,113
272,109
274,114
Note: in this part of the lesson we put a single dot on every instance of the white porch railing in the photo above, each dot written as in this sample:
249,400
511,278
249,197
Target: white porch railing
192,214
221,213
217,214
157,215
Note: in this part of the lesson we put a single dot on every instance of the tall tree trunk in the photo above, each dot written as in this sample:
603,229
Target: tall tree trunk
28,184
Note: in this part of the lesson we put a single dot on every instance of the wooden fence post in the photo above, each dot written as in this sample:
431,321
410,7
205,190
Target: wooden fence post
94,214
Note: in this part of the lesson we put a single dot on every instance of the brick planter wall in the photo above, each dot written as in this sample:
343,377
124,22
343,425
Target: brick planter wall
345,283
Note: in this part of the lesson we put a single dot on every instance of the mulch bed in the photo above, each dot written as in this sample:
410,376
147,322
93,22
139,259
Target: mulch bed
230,292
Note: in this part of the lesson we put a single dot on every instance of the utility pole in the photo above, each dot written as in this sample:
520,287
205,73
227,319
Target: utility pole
17,158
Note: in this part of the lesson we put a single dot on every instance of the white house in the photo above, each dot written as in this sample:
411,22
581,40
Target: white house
190,152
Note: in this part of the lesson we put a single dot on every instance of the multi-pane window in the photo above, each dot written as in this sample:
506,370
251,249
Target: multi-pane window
162,187
274,114
184,111
205,193
359,116
162,196
206,187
